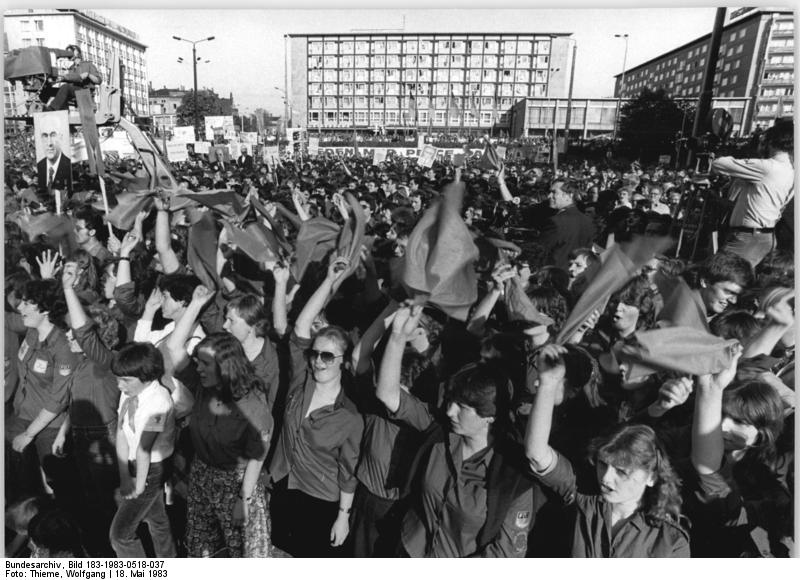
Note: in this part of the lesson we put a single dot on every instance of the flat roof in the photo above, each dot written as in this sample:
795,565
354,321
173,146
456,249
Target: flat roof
392,33
705,37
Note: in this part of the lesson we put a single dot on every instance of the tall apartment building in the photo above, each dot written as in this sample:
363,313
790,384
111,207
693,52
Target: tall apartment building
755,61
404,80
97,36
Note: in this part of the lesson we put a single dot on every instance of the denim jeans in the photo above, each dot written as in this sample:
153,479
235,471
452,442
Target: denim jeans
149,508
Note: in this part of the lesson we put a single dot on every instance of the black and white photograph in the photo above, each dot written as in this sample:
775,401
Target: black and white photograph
422,282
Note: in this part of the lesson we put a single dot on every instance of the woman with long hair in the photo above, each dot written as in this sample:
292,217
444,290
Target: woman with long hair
637,510
230,428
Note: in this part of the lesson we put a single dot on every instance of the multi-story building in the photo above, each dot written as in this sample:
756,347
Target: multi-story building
755,61
164,105
97,36
536,117
438,80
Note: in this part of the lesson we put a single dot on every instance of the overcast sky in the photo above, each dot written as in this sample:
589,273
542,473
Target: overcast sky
247,55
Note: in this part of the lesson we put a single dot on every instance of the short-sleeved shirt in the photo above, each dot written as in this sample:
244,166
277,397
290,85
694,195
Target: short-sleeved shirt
154,412
318,453
45,369
453,502
266,367
639,536
227,440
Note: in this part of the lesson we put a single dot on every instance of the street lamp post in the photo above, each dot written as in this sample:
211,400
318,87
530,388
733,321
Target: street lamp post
287,110
622,81
194,44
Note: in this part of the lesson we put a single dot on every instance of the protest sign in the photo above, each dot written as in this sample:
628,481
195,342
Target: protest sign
183,135
313,146
378,156
202,147
176,151
427,156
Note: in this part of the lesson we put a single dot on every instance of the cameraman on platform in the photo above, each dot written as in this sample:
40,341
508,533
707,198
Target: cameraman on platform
760,190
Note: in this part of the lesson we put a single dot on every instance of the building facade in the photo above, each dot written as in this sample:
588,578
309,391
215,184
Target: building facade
97,36
755,62
537,117
163,104
439,81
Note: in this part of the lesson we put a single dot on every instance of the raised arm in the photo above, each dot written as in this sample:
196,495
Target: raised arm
168,257
280,306
707,444
780,318
501,181
176,343
363,350
480,315
548,394
336,274
405,322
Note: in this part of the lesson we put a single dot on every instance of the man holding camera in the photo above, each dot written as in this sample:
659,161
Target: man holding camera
760,190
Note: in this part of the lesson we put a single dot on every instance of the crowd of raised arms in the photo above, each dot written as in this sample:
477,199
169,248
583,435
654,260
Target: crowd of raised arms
319,356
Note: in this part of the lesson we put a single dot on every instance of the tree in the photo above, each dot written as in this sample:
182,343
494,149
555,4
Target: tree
208,103
650,124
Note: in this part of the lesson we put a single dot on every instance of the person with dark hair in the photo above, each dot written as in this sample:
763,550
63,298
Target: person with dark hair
318,448
760,190
568,228
45,365
145,442
637,512
466,490
90,233
82,74
54,534
738,324
230,428
742,505
92,418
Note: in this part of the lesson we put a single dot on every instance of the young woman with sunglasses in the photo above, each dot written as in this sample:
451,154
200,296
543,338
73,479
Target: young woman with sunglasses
230,428
318,449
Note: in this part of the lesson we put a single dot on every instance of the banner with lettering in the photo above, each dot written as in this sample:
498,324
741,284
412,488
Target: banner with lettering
183,134
176,151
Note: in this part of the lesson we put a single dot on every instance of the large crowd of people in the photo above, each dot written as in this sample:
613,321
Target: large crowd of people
326,357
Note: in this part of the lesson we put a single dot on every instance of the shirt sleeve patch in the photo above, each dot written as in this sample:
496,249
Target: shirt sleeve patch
64,370
154,422
40,366
520,542
523,519
23,350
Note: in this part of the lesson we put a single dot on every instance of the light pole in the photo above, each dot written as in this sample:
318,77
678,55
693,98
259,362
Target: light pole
194,44
569,95
287,110
622,81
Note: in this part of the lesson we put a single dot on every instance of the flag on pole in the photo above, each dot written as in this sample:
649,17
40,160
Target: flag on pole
474,104
412,107
355,144
489,159
452,103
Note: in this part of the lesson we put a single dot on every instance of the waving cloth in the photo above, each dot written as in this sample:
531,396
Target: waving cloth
489,160
520,307
275,236
678,349
227,203
318,238
128,206
254,240
201,251
682,305
440,254
619,264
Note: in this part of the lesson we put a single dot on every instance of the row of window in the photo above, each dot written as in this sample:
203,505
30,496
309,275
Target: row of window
441,89
407,103
25,25
417,46
775,108
781,59
425,75
346,118
777,91
779,75
441,61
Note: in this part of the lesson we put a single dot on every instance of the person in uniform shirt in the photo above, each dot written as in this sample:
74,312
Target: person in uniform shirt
92,418
45,364
145,442
637,512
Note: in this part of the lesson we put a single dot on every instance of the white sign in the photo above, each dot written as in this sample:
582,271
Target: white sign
378,156
271,154
248,137
176,151
501,153
313,146
427,156
221,123
202,147
183,134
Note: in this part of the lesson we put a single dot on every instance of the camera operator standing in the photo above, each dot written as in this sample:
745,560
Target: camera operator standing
760,190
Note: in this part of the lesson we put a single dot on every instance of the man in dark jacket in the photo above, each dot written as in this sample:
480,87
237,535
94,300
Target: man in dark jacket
569,228
244,161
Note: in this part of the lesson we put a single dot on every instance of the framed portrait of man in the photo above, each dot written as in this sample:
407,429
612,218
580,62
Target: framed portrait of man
53,164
